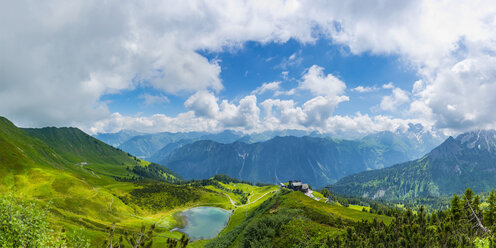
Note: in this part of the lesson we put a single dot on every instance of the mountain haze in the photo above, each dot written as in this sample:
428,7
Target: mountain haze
116,139
145,146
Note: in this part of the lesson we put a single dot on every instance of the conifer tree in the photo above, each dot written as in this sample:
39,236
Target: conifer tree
490,214
467,199
476,205
456,208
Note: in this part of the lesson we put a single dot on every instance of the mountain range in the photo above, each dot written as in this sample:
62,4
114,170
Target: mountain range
469,160
157,146
316,160
145,146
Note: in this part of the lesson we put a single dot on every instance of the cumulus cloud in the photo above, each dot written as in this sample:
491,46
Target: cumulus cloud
389,85
327,91
395,100
317,83
265,87
204,104
362,124
365,89
59,58
287,117
461,97
244,115
184,122
285,114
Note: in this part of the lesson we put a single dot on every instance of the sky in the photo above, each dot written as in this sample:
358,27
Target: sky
344,68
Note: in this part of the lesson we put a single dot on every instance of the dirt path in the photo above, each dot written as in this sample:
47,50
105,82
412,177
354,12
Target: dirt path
262,196
234,203
249,198
112,198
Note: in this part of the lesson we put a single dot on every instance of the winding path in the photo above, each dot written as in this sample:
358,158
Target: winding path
234,203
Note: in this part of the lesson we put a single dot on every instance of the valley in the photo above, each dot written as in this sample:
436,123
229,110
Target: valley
88,186
315,159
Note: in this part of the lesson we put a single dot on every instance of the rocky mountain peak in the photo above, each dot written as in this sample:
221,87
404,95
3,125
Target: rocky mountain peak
479,139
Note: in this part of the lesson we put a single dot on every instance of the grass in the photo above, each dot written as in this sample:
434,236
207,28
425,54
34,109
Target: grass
46,165
298,200
76,203
80,195
358,207
310,221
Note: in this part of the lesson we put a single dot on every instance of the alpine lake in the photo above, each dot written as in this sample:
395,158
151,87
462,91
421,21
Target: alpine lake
204,222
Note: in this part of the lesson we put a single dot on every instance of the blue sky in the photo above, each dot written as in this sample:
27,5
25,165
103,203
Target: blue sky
344,68
247,67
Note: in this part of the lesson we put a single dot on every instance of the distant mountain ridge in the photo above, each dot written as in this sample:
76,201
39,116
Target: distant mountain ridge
469,160
116,139
318,161
145,146
156,147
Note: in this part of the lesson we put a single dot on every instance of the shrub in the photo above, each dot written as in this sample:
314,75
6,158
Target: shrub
25,224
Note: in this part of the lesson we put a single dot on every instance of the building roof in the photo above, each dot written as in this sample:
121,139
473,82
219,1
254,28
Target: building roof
296,183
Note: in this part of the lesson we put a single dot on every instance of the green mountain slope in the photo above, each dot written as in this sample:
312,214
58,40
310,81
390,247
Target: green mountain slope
20,150
85,195
291,219
467,161
80,149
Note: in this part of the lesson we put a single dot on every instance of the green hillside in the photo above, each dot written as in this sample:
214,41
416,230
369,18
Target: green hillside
75,176
19,150
469,161
87,186
80,149
291,219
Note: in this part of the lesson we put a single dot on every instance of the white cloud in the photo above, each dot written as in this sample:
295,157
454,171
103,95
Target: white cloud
59,58
204,104
288,117
245,115
395,100
418,86
389,85
273,86
362,124
184,122
292,61
327,91
365,89
284,75
285,114
319,84
461,97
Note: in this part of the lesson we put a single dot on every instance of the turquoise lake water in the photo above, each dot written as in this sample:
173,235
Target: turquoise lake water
204,222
